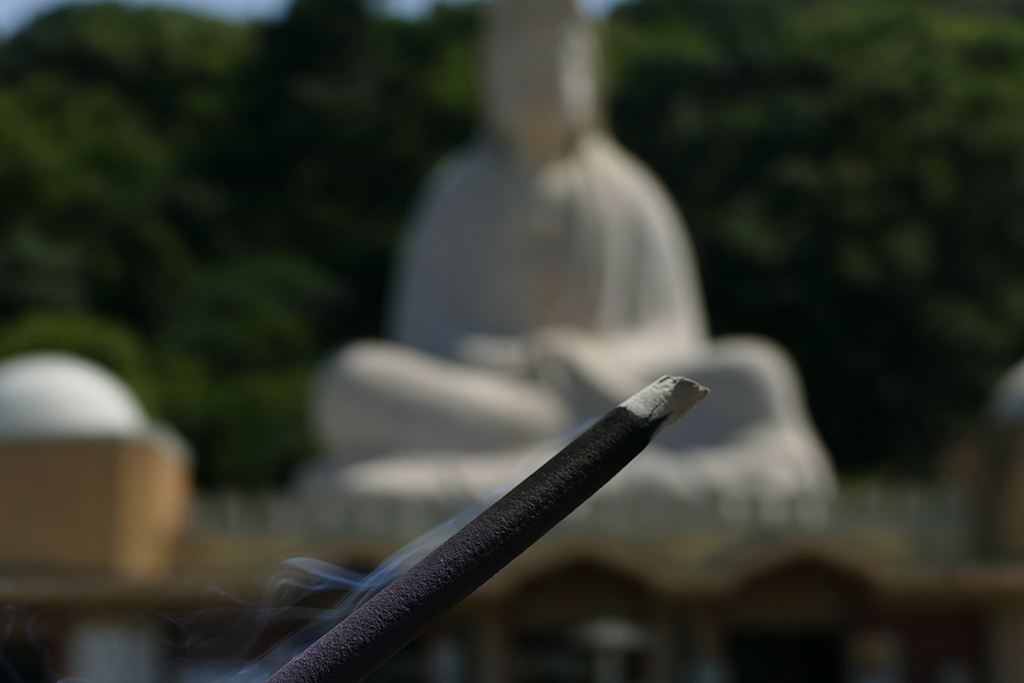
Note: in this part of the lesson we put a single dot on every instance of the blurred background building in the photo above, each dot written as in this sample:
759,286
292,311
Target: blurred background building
194,214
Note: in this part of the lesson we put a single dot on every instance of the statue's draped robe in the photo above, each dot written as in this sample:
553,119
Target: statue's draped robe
588,256
591,241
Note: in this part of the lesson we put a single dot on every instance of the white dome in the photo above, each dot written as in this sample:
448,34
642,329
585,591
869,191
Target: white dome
1006,404
58,395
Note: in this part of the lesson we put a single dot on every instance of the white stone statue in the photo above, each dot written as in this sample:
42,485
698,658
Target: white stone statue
546,276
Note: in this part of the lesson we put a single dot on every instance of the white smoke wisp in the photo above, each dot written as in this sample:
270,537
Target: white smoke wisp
232,640
248,629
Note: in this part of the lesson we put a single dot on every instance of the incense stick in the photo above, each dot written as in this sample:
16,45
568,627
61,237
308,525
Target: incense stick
408,605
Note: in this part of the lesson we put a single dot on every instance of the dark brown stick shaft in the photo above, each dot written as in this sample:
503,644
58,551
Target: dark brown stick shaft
412,602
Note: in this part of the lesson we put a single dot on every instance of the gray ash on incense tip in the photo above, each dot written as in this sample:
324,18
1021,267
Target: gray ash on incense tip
667,399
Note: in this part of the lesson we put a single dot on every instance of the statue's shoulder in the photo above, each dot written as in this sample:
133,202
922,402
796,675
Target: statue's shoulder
461,169
625,174
454,188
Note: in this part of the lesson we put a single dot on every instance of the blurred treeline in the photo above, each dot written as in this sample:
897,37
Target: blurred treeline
208,208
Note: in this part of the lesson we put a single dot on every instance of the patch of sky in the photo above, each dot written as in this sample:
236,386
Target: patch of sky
15,14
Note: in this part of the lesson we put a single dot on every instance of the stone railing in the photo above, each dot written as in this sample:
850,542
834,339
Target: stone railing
867,507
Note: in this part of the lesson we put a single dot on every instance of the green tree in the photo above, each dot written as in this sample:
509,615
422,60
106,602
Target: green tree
854,176
208,208
227,197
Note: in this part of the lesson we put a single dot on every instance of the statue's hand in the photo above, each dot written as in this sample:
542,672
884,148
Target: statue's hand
581,365
509,355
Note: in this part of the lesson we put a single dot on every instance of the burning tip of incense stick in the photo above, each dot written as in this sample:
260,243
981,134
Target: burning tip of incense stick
666,399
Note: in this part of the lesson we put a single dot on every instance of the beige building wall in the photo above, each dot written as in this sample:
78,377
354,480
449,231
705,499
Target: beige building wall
106,505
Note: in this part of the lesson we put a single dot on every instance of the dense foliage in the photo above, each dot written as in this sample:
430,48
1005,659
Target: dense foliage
207,208
854,175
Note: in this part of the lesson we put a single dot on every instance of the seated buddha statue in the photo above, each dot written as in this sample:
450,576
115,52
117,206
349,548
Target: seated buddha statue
547,275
